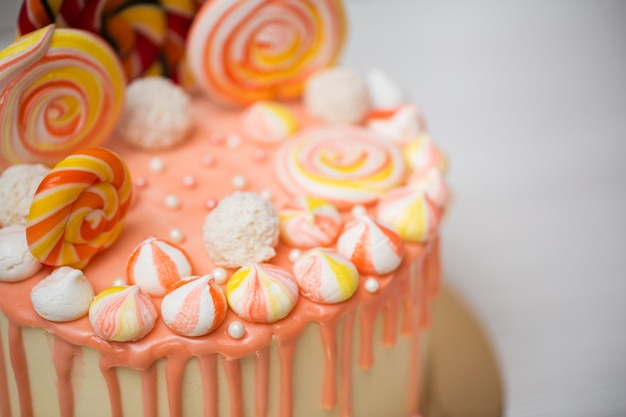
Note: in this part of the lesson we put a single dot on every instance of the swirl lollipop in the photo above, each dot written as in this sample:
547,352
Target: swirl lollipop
79,208
149,36
343,164
246,51
61,90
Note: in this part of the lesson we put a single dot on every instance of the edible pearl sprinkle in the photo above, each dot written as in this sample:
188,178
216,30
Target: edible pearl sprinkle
208,160
236,330
176,235
371,285
189,181
358,210
157,165
266,194
220,275
141,182
259,155
239,181
217,137
233,141
172,202
210,203
119,282
294,254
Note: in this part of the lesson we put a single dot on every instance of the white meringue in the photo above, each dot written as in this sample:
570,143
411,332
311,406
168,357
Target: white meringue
16,261
64,295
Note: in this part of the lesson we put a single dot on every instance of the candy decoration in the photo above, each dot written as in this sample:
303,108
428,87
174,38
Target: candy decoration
269,122
79,208
244,51
194,308
422,154
400,124
410,213
374,248
122,314
346,165
64,295
262,293
433,184
148,35
157,266
60,91
309,222
325,276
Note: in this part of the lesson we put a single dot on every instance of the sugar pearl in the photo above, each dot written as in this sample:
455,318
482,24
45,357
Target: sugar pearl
294,254
236,330
189,181
217,137
266,194
141,182
210,203
157,165
119,282
208,160
358,210
233,141
259,155
220,275
239,181
176,235
172,202
371,285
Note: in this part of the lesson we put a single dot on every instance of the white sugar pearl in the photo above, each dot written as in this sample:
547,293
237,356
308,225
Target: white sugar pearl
189,181
233,141
266,194
176,235
294,254
119,282
236,330
220,275
358,210
239,181
172,202
371,285
157,165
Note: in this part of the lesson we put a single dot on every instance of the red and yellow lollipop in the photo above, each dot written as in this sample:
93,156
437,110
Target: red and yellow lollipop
61,90
79,208
241,51
148,35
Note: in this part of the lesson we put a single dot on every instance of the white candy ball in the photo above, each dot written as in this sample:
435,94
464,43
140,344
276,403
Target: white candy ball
337,95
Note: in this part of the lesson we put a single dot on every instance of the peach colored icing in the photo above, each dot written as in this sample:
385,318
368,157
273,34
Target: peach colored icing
403,296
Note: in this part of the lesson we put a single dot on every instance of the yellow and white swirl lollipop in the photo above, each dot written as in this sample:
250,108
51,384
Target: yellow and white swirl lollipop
61,90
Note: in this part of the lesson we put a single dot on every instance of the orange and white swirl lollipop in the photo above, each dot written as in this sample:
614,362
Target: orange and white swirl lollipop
79,208
344,164
241,51
61,90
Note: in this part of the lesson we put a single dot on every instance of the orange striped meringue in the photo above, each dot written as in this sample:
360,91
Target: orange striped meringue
309,222
262,293
157,266
325,276
195,307
122,314
374,249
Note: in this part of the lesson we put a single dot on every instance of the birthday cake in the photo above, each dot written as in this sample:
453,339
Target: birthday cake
209,217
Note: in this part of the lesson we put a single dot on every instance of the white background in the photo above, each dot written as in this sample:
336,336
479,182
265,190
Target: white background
528,99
